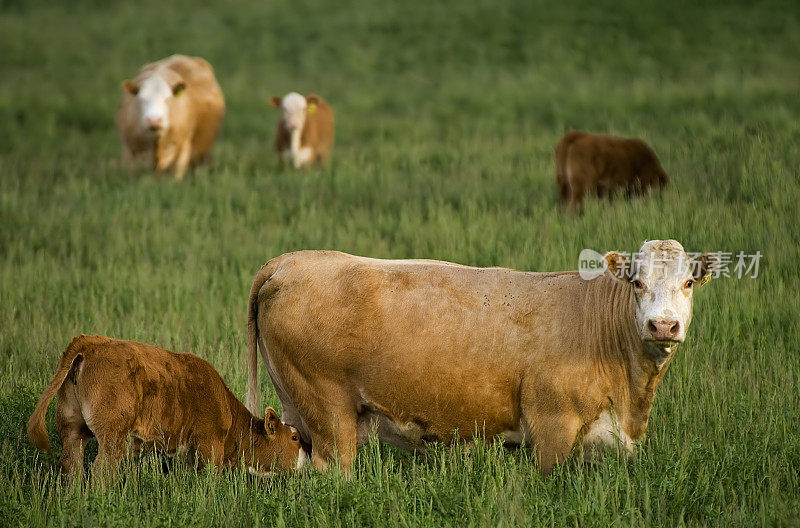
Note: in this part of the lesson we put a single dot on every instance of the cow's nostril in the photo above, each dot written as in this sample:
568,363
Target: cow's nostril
673,330
651,326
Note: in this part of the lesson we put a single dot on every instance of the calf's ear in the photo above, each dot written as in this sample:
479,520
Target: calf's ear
275,102
271,420
704,267
130,87
312,101
618,265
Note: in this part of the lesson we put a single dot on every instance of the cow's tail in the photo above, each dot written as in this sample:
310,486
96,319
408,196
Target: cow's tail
253,336
562,149
37,431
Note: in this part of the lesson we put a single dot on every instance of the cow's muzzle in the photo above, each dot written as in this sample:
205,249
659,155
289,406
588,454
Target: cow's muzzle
663,330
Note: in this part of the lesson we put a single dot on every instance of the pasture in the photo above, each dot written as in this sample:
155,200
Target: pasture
447,116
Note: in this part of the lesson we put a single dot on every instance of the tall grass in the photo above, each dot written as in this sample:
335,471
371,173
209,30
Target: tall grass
447,115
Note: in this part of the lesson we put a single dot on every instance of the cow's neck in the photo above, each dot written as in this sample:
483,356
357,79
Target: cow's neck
632,370
647,368
238,440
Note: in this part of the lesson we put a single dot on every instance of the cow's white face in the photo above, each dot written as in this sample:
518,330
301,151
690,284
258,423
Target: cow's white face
154,95
663,278
293,111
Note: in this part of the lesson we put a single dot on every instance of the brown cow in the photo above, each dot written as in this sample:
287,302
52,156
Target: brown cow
114,389
305,131
604,164
170,114
417,349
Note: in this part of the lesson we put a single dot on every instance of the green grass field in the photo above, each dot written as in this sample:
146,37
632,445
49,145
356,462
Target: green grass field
447,115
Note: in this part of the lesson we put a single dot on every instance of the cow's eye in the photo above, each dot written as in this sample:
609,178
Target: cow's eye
689,283
637,284
294,437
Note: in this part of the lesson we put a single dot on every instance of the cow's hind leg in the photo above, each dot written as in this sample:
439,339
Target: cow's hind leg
333,425
335,439
575,204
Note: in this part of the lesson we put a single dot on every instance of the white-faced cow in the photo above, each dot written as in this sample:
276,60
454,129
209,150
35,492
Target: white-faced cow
305,130
170,114
417,349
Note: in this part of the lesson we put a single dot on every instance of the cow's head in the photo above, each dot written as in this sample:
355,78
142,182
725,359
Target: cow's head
662,277
294,108
274,445
155,95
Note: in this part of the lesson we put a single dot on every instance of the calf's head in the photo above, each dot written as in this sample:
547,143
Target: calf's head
663,278
273,444
294,109
155,96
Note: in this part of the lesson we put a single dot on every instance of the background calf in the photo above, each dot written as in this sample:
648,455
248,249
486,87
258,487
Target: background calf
305,130
604,164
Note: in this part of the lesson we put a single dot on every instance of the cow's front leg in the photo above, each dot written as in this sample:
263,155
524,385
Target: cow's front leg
182,161
552,437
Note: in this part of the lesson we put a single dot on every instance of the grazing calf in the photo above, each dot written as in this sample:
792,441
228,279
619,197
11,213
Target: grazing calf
604,164
114,389
170,114
305,130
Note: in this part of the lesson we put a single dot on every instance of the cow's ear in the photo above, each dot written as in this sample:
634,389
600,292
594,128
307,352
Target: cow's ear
704,267
618,265
275,102
130,87
271,421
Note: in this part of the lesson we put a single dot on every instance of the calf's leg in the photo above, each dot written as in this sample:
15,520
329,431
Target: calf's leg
111,451
72,429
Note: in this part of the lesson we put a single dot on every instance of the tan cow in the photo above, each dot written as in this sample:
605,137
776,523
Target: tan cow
604,164
305,131
418,349
170,114
113,390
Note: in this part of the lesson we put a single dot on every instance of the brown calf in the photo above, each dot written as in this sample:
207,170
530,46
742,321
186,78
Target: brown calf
604,164
305,130
113,389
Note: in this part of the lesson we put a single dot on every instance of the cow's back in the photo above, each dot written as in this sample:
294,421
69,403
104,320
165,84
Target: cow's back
425,342
156,393
208,103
